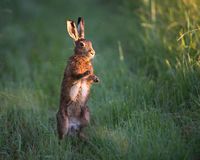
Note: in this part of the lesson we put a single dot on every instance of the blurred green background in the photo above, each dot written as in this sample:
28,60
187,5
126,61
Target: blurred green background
147,105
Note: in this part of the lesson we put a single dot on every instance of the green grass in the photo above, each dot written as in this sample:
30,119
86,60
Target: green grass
147,105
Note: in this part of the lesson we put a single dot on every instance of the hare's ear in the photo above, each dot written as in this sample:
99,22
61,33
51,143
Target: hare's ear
81,25
72,30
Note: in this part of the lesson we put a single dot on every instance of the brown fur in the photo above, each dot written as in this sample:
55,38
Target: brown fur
78,77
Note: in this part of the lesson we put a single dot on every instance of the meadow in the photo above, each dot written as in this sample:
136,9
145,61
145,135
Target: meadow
147,105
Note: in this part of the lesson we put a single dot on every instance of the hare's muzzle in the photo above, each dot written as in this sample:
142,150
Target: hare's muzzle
92,52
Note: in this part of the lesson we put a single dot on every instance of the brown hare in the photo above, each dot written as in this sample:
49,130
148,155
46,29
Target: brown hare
73,114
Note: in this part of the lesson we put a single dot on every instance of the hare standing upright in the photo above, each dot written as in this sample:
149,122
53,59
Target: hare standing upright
73,114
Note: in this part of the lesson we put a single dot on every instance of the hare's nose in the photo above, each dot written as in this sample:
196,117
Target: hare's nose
92,52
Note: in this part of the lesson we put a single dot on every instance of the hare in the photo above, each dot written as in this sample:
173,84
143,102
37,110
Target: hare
73,114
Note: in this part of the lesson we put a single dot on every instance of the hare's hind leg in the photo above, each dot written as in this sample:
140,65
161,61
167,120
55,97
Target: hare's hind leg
84,119
62,124
85,116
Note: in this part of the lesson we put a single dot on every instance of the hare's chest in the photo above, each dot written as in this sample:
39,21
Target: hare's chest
75,90
80,91
85,88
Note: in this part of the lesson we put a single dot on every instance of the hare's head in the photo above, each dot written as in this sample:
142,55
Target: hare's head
82,46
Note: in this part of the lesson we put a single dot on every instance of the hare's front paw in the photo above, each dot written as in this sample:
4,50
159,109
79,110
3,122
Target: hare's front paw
93,78
96,79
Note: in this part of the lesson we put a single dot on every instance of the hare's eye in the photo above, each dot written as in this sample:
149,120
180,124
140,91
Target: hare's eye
82,44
